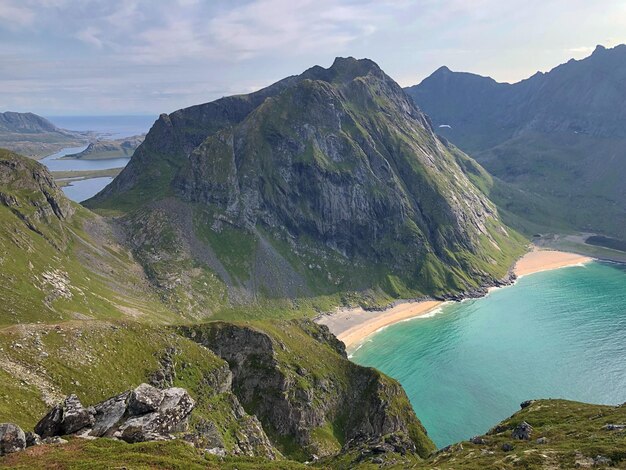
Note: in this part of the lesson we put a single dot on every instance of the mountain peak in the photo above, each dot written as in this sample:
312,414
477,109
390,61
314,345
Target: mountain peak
599,48
442,70
343,69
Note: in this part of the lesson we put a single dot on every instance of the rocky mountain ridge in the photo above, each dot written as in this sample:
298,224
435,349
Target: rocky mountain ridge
557,136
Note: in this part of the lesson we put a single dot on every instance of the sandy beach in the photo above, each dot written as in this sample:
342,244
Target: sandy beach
352,326
544,260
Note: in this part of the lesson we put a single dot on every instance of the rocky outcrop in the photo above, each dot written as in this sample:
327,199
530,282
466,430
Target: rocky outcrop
522,431
142,414
12,439
293,399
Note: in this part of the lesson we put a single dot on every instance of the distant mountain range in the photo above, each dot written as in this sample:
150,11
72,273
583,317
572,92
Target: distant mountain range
33,135
560,136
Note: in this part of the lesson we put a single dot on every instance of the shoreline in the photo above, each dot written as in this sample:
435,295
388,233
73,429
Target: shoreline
353,325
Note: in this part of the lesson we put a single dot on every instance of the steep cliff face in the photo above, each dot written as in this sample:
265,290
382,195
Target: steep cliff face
559,136
311,400
334,179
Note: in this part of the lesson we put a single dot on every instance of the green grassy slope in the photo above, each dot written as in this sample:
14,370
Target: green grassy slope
58,260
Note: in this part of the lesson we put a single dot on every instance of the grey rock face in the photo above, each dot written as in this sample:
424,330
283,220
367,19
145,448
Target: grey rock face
295,411
522,431
75,416
109,413
12,438
144,399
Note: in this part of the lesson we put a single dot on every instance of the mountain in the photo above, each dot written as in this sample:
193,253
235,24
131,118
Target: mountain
33,135
559,136
321,184
59,261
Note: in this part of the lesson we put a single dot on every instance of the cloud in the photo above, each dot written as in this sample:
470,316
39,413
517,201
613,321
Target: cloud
90,35
14,16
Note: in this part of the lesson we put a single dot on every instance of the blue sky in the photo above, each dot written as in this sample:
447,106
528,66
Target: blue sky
63,57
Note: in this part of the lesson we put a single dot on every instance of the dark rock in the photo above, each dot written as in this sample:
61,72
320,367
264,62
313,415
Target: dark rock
12,438
144,399
614,427
108,414
67,417
32,439
478,440
522,431
50,424
506,447
526,404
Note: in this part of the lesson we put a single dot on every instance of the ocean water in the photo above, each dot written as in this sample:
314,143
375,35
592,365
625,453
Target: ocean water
555,334
114,126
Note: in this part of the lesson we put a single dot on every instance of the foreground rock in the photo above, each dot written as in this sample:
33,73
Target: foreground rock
143,414
12,438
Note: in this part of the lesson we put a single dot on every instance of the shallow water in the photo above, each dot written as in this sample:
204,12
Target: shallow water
556,334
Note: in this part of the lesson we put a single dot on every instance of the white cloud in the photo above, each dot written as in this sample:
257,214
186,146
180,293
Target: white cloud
90,35
15,16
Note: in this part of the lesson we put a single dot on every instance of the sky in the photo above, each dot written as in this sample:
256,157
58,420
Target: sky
113,57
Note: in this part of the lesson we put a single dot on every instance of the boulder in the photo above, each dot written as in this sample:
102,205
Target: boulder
522,431
50,424
12,438
170,417
75,416
144,399
108,414
506,447
32,439
143,414
67,417
526,404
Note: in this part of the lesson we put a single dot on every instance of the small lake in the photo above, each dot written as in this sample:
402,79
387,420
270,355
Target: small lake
555,334
113,127
82,190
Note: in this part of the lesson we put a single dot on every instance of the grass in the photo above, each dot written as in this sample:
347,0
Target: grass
65,178
107,453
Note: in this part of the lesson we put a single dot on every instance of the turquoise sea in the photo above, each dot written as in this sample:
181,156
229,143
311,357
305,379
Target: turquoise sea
555,334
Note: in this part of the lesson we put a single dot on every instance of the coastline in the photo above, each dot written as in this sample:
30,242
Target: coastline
354,325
